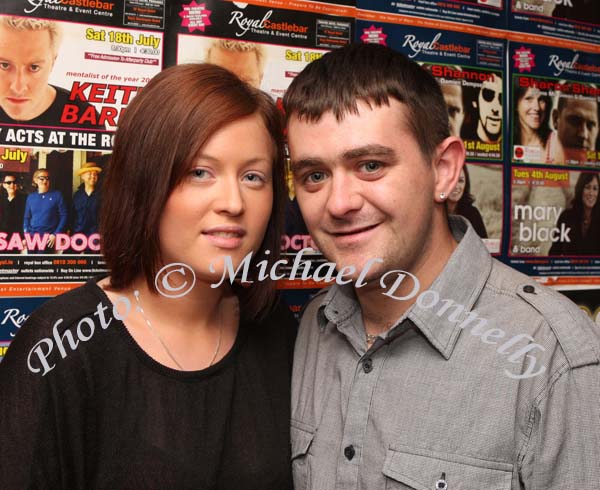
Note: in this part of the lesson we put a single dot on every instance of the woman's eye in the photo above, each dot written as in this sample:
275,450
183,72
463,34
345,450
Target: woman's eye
254,178
199,173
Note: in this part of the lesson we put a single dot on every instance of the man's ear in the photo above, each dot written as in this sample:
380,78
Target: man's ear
447,163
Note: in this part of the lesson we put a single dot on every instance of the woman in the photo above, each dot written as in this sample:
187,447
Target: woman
460,201
531,116
152,378
582,218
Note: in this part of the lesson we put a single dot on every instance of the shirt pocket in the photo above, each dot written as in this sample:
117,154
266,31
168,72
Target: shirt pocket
420,469
302,436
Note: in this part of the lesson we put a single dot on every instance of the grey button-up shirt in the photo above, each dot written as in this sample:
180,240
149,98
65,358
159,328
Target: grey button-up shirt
488,382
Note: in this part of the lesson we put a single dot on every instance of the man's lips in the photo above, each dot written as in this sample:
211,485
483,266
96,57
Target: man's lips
352,232
14,100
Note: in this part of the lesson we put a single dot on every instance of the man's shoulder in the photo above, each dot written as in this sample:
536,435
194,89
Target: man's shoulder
545,313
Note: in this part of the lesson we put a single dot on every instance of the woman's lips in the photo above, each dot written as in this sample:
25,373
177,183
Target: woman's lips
225,237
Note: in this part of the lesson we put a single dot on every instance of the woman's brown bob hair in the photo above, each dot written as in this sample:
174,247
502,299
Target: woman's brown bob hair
160,134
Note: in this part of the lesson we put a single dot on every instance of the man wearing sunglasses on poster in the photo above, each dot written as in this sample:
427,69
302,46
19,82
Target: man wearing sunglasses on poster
489,108
45,211
12,205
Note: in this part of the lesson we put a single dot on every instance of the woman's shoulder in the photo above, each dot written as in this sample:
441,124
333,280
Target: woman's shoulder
38,339
69,306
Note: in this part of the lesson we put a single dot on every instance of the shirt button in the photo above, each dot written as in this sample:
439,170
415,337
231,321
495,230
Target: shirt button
367,365
349,452
528,289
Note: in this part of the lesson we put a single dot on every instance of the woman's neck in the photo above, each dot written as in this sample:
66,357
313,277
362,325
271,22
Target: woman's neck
529,137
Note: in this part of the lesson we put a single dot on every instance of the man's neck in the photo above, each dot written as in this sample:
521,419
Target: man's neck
383,306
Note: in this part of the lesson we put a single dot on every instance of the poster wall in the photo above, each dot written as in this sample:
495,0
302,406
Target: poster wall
518,76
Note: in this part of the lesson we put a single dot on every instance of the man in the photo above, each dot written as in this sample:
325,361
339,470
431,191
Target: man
12,206
86,200
244,59
457,373
452,93
453,96
45,210
28,50
576,123
489,110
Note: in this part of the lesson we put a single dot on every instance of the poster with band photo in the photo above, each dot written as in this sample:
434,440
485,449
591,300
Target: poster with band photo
49,210
470,71
555,224
555,104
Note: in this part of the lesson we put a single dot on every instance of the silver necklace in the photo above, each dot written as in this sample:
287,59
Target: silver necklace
136,293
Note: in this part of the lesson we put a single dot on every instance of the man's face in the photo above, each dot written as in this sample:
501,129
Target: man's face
243,63
489,102
10,184
43,182
456,114
577,124
90,178
26,60
355,183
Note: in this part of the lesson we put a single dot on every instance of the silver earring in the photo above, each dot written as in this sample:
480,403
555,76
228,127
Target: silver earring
442,196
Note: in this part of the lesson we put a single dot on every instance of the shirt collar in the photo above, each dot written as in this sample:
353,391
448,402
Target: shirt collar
438,312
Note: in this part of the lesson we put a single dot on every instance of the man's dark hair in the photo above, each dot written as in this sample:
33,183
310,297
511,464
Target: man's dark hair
371,73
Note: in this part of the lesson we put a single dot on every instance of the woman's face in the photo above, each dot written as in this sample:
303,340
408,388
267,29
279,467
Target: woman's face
459,190
222,207
590,193
531,109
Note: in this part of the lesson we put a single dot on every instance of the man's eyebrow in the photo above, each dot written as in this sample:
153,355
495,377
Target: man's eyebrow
374,150
299,166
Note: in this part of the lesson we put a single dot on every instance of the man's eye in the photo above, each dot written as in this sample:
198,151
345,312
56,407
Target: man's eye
35,68
315,177
371,166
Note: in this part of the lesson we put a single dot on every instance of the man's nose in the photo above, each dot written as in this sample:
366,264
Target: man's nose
18,82
344,195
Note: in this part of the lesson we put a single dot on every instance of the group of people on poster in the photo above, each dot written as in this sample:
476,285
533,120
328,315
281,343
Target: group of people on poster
45,211
561,131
